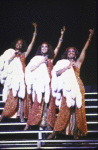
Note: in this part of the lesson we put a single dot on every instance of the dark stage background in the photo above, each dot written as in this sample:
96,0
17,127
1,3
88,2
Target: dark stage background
78,16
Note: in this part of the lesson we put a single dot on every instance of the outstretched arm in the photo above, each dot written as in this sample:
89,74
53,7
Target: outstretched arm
59,43
83,52
32,41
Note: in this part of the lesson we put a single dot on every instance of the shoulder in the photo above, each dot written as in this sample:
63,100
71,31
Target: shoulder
8,53
10,50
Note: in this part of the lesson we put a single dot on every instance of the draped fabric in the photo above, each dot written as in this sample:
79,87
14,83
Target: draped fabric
4,58
39,112
37,80
70,118
67,83
12,105
14,79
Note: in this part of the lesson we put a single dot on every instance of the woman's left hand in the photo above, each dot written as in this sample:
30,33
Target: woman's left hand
91,32
63,30
34,24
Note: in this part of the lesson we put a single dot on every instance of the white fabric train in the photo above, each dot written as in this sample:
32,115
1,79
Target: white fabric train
66,82
37,80
4,64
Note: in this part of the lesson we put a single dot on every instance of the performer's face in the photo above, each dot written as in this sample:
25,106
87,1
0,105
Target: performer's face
18,45
71,53
44,48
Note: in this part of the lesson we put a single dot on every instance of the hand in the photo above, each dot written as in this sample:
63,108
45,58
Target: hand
72,64
45,59
63,30
91,32
17,52
68,67
34,24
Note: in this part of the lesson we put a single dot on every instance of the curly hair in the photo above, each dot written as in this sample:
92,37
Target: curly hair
64,56
50,52
24,45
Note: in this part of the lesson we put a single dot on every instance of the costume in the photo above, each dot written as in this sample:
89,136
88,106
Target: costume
42,96
4,58
37,80
14,87
71,119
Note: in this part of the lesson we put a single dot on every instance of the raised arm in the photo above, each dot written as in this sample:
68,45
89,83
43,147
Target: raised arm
83,52
32,41
59,43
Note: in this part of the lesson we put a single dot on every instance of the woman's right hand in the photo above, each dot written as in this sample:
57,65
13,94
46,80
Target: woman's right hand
69,66
72,64
44,60
16,52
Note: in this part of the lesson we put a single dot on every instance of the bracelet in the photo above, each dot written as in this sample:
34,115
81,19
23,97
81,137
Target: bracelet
61,40
34,33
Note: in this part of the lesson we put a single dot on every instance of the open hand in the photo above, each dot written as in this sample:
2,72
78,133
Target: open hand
34,24
63,30
91,31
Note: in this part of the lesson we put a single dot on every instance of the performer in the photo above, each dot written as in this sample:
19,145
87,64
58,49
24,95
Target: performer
69,92
42,98
12,76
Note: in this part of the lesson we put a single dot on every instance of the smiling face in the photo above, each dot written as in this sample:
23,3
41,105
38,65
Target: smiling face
71,53
18,45
44,48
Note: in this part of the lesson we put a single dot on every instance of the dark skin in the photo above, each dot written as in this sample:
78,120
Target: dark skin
71,53
19,44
